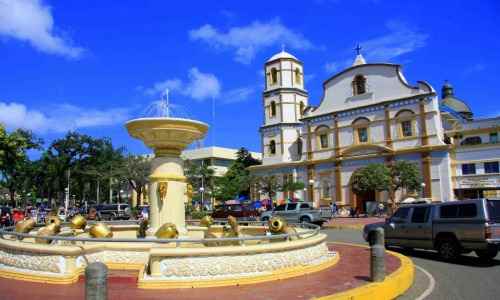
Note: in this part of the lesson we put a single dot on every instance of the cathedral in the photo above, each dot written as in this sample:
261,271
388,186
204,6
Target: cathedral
368,113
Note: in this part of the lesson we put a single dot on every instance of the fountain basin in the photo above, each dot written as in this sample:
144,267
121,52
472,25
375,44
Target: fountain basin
166,135
181,263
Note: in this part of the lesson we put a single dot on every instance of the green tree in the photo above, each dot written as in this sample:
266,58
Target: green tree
136,171
14,161
90,161
200,175
373,177
245,157
237,180
268,185
406,175
292,186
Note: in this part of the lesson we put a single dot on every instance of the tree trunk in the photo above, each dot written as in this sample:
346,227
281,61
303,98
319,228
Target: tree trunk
12,195
139,195
110,200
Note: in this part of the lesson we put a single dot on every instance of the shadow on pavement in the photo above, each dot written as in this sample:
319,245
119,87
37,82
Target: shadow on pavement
465,260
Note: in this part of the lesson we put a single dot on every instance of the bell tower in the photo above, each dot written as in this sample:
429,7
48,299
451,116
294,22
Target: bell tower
284,101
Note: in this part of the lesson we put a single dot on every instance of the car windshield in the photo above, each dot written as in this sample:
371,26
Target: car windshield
493,210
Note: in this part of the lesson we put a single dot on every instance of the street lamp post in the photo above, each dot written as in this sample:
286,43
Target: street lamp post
423,189
202,190
311,190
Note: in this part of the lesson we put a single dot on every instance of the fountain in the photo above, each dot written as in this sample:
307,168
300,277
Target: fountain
171,252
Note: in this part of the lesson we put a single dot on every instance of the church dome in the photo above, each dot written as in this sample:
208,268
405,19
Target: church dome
449,100
282,54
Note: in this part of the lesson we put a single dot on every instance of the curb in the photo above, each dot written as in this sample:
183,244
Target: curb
344,226
394,285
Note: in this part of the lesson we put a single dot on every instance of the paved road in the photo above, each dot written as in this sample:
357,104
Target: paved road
464,280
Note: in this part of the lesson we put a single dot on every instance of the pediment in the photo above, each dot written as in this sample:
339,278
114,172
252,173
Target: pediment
365,149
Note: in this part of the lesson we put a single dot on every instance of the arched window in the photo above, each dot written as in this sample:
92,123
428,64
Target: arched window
272,109
302,108
322,134
272,147
299,147
361,130
359,85
406,123
472,140
298,76
274,76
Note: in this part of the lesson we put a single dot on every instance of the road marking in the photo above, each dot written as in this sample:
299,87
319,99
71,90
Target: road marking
432,283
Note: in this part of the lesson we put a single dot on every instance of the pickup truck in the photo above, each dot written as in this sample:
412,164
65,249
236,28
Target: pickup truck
451,228
298,212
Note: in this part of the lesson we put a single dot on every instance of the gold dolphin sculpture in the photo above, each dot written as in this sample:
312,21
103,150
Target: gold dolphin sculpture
47,230
100,230
167,231
26,225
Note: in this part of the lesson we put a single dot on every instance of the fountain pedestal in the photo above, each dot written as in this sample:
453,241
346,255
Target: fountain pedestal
168,185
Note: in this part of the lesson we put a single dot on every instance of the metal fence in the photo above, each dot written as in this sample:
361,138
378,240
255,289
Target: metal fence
310,230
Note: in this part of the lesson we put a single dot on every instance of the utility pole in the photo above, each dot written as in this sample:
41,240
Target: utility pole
66,201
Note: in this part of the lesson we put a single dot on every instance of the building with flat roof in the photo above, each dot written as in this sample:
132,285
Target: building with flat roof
217,158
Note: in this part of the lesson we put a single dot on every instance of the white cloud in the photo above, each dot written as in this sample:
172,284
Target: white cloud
477,67
60,118
237,95
400,39
31,21
159,87
199,86
202,85
246,41
331,67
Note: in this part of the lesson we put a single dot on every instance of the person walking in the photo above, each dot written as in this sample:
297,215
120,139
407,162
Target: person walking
333,206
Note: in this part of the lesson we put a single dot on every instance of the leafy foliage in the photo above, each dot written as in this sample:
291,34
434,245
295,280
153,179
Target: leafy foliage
237,180
15,167
268,185
406,175
373,177
136,171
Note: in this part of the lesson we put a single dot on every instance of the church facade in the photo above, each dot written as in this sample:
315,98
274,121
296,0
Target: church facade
368,113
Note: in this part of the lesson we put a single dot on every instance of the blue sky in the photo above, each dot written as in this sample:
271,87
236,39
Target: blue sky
91,65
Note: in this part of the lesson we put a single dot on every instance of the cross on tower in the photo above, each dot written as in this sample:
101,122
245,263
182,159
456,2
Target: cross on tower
358,49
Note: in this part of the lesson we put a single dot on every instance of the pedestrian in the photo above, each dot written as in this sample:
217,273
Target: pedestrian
333,206
380,209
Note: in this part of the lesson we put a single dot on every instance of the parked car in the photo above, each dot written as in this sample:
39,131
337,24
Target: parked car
451,228
298,212
117,211
240,211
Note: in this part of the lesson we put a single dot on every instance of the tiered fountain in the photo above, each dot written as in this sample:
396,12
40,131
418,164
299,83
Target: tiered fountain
172,255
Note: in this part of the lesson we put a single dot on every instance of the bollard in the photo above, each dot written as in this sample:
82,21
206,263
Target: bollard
377,255
96,281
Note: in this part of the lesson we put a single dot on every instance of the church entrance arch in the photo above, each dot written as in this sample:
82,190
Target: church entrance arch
361,201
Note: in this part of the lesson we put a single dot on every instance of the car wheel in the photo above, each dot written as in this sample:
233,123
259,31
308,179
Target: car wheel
305,219
487,254
449,249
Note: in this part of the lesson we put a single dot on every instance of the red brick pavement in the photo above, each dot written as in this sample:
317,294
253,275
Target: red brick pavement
351,271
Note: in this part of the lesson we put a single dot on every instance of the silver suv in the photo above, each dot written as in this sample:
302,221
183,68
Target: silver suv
298,212
451,228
